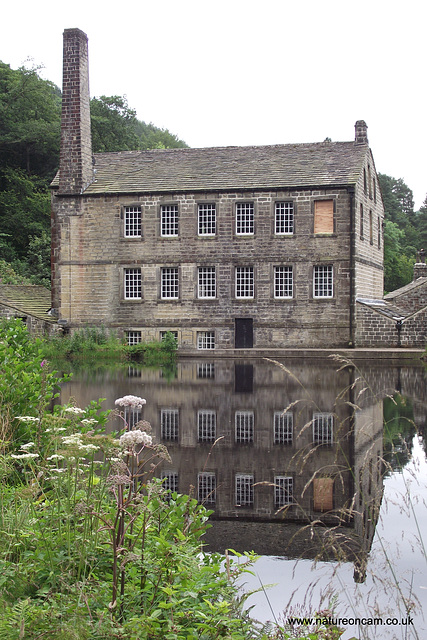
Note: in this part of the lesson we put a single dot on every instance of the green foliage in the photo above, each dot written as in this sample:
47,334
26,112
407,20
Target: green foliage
26,384
115,127
405,232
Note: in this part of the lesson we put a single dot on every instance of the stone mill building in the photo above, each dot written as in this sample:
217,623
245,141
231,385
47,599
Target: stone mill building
235,247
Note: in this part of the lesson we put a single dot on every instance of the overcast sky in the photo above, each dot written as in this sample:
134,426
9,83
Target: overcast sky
240,72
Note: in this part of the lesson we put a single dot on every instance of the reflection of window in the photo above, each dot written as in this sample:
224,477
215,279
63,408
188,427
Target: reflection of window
170,481
169,220
284,218
206,370
324,216
323,428
244,490
206,488
133,337
244,426
132,222
323,281
206,425
132,417
207,219
283,427
283,282
132,283
169,424
244,218
283,490
323,494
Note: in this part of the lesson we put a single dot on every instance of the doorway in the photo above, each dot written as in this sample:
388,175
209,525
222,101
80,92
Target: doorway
243,333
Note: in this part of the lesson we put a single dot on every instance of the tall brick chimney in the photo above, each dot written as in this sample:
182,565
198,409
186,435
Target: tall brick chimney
75,162
361,132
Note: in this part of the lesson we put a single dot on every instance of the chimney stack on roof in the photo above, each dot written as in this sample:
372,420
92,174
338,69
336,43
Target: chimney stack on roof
361,129
75,163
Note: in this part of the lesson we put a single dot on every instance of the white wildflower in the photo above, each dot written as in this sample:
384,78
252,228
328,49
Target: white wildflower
58,470
74,410
24,456
56,430
75,440
28,419
131,438
130,401
55,456
27,446
89,421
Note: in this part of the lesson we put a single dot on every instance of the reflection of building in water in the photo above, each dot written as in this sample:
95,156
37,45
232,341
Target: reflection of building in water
279,455
259,444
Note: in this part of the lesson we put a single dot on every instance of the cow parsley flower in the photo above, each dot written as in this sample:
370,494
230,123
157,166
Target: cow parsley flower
134,402
28,419
27,446
75,410
24,456
131,438
89,421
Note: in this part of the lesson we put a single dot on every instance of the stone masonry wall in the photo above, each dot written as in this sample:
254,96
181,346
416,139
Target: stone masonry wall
376,330
91,254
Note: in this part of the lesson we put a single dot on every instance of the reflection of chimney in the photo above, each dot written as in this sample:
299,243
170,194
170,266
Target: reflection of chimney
361,136
75,163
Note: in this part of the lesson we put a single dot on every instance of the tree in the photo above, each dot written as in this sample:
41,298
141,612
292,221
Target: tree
115,127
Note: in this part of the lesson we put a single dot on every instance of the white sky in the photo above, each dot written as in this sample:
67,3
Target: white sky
240,72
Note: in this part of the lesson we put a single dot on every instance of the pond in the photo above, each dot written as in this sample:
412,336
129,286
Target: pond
318,466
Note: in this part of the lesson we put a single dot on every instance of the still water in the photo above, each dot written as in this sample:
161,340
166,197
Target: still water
317,466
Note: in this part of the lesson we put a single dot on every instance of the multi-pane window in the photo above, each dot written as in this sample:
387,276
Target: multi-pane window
283,427
323,428
170,481
169,220
284,218
244,282
244,426
169,424
206,482
244,490
133,337
323,281
207,219
244,218
283,282
283,490
206,339
133,284
170,283
206,282
206,370
206,425
132,222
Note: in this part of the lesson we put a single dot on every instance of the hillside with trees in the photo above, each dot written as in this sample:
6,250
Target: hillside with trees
30,116
30,125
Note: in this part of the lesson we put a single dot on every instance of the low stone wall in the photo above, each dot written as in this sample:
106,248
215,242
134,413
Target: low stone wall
36,326
377,330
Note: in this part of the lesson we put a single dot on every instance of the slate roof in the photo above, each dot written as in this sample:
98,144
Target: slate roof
414,284
29,300
228,168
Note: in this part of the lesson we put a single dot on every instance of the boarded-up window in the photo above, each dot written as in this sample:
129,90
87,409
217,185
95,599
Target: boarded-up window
324,216
323,493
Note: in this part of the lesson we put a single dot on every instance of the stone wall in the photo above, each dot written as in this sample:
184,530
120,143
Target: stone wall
91,254
377,330
36,326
